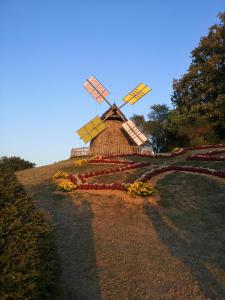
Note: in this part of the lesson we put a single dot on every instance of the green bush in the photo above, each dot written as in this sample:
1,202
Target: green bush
27,260
14,164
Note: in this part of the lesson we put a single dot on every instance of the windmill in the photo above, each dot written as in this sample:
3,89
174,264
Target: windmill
112,133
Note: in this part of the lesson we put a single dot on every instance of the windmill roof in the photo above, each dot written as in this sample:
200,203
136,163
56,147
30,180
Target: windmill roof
114,113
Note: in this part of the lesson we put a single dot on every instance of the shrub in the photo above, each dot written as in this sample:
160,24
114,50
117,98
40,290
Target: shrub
142,189
67,186
14,164
27,259
59,175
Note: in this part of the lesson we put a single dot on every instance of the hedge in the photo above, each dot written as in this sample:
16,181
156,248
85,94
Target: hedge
27,259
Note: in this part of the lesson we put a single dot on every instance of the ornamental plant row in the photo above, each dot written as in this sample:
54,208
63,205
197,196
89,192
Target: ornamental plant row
148,175
205,158
145,177
111,161
101,186
206,147
83,176
213,152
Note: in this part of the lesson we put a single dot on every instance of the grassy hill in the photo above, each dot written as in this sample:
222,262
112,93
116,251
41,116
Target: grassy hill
111,246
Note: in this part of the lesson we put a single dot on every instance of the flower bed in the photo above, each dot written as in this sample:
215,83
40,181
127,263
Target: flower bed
67,186
140,189
214,152
206,147
72,178
81,162
140,186
110,161
148,175
205,158
208,156
83,176
101,186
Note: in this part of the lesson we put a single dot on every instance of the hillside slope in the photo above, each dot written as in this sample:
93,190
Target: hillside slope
113,247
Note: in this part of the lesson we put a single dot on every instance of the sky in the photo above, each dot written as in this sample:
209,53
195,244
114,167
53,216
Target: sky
48,48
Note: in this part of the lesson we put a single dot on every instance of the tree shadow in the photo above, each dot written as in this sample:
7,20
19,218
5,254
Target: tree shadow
195,240
74,241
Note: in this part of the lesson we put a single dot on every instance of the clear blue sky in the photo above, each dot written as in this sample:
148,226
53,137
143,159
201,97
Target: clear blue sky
49,47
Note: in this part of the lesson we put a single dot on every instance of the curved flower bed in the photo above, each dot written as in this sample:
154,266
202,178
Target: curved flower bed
206,147
208,156
214,152
205,158
110,161
148,175
129,166
79,180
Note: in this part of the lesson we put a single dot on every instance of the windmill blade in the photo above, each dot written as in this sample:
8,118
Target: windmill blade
91,129
136,94
96,89
137,136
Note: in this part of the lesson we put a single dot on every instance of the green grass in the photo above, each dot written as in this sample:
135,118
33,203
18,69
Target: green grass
111,250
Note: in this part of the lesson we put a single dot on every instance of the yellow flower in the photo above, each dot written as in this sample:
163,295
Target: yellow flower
141,189
81,162
66,186
60,175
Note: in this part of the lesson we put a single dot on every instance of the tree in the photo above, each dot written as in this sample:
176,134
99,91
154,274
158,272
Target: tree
155,126
14,164
199,95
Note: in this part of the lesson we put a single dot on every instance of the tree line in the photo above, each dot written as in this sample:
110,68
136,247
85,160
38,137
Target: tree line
198,99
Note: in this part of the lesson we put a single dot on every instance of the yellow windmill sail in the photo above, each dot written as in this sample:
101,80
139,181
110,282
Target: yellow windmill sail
91,129
137,93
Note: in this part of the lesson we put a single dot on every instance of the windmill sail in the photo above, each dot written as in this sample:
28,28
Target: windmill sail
96,89
91,129
137,93
138,137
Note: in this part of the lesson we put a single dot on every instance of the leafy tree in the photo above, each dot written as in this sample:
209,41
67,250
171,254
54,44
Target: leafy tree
199,95
155,126
14,164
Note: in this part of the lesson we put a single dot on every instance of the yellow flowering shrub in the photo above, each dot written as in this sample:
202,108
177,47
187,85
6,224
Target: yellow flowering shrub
66,186
59,175
81,162
140,189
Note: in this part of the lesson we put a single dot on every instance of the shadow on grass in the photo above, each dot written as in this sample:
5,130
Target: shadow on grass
191,226
74,241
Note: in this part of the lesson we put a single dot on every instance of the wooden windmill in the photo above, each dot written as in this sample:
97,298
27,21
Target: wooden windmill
112,133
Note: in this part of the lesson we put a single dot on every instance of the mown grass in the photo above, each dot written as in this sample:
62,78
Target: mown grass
173,249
